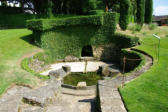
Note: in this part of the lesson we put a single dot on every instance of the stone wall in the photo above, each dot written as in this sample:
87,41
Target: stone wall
109,52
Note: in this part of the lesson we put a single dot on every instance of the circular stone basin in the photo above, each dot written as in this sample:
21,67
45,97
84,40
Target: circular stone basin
90,78
91,66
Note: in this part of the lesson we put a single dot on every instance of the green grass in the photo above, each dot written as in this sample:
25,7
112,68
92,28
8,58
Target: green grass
149,92
90,78
13,45
25,65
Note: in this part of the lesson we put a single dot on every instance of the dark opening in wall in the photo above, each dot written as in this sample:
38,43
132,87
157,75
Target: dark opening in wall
87,51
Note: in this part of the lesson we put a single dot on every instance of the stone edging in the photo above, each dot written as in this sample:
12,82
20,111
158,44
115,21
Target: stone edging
109,95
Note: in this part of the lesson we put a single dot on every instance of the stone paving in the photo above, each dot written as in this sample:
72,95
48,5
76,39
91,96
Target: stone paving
51,97
110,99
67,100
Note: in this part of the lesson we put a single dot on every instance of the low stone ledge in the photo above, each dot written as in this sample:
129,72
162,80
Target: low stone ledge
108,71
74,87
87,59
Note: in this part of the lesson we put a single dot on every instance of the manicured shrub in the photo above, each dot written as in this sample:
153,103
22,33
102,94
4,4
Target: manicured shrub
67,36
148,11
124,14
125,41
134,60
140,11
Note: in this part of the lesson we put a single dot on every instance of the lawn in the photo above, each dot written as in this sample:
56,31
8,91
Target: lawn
13,45
149,92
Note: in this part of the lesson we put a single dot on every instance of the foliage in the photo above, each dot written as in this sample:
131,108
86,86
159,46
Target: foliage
125,41
46,24
135,27
112,4
152,26
133,11
10,10
90,78
140,12
96,12
124,14
131,64
14,20
148,11
25,65
62,37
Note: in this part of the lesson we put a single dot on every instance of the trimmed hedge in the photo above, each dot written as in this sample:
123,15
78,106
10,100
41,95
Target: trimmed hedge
67,36
125,41
46,24
132,65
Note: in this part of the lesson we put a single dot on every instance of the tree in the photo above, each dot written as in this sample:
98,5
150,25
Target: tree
148,11
124,14
140,12
4,2
133,10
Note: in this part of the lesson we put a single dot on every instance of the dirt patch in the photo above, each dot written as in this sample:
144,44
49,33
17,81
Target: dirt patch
28,55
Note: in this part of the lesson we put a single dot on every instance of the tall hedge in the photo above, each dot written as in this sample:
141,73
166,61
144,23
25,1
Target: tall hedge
124,14
67,36
148,11
140,11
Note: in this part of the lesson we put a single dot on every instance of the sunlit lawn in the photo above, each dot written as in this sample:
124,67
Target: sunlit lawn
149,92
13,45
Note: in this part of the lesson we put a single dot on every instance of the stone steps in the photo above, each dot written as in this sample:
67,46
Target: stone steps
75,92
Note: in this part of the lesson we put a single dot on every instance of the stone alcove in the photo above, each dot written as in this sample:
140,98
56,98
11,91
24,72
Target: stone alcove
87,51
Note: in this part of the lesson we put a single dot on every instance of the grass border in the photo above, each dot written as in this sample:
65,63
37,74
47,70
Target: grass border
24,65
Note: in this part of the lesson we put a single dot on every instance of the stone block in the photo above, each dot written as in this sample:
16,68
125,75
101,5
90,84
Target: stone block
44,95
81,85
87,58
57,74
71,58
108,71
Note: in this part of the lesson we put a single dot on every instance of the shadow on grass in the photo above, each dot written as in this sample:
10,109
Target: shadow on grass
29,39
